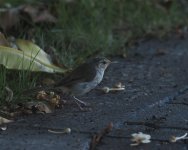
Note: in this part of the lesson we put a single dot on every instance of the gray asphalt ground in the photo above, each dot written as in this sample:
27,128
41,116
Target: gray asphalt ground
154,102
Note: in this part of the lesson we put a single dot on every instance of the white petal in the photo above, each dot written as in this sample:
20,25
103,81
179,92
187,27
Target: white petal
147,136
3,128
144,136
146,141
134,134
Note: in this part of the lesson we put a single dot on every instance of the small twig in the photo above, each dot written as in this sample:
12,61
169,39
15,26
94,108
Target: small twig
98,137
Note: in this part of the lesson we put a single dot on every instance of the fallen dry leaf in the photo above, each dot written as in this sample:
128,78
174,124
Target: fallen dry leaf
53,99
9,18
4,120
12,17
98,137
42,107
39,14
35,59
38,107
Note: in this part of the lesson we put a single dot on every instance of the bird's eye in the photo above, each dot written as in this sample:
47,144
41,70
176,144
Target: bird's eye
103,62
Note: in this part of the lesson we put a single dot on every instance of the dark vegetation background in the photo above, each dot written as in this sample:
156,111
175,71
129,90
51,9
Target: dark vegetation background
86,28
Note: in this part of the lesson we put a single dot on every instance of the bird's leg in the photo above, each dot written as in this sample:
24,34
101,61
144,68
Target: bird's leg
79,101
80,107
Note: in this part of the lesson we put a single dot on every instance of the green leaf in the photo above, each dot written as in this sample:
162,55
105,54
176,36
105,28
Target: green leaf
30,58
33,51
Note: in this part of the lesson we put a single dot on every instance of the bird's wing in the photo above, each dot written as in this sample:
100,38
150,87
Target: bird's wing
83,73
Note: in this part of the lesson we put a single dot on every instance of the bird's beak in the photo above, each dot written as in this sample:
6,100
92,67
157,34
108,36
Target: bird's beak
109,62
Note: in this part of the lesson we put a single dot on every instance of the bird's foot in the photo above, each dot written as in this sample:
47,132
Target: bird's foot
81,103
78,101
83,108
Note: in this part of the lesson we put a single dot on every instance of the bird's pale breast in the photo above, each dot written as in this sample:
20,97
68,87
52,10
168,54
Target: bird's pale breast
84,87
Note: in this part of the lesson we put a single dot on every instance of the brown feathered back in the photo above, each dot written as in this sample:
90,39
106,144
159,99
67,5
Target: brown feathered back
84,73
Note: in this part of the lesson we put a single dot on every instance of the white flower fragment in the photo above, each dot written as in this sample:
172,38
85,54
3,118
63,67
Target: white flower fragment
174,138
139,138
65,131
119,85
3,128
4,120
107,89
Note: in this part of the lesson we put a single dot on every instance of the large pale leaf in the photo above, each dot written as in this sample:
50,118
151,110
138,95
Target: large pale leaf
33,50
4,120
37,60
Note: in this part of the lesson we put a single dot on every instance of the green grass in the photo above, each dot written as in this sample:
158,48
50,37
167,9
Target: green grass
88,28
17,81
102,27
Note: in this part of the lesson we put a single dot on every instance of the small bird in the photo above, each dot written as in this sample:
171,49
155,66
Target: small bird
81,80
84,78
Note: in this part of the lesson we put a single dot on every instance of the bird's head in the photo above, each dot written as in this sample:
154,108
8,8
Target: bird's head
101,62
